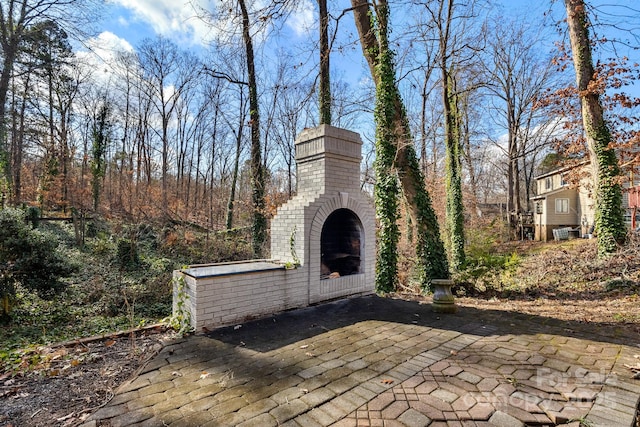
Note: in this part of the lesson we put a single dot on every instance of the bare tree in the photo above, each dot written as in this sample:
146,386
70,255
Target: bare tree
250,23
17,18
457,46
518,76
238,133
168,73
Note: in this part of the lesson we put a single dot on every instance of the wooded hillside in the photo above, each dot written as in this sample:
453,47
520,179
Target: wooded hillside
164,131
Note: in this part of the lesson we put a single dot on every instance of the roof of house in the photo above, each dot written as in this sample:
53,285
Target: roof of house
550,193
562,169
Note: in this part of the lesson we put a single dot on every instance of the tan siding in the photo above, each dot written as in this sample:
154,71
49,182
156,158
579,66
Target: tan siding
568,219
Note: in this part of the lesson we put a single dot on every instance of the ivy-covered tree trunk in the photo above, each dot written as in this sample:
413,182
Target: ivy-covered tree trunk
395,156
98,150
609,216
11,33
453,169
386,188
257,169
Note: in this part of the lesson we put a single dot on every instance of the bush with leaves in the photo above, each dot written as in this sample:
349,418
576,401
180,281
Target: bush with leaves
29,258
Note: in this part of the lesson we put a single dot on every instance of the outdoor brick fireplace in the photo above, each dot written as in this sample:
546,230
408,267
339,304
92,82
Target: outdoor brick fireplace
328,228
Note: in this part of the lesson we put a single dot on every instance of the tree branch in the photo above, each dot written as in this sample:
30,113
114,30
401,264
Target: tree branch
221,75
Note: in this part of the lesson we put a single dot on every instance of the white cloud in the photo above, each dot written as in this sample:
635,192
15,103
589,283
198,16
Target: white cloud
175,19
108,43
100,53
104,48
178,20
303,19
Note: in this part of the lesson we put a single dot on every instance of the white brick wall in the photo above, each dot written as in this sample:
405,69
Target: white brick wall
328,163
234,298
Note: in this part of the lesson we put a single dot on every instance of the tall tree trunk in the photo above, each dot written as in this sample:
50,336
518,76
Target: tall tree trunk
10,33
452,136
512,154
394,148
513,174
235,172
325,81
165,158
466,153
452,131
386,187
14,160
100,134
423,128
64,156
257,169
609,218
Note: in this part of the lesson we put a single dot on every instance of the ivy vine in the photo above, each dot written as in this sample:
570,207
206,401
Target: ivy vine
453,180
609,218
180,320
391,136
386,189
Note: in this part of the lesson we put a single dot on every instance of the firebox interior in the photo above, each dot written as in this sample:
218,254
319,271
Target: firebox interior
341,244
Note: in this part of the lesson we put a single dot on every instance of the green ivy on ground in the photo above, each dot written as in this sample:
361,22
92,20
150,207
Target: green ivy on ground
123,281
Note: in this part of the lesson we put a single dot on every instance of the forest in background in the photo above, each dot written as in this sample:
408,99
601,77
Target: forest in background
169,136
164,132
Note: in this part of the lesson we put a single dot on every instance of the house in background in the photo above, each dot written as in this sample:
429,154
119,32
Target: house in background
559,205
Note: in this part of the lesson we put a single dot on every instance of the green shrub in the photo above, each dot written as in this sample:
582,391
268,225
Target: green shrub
102,246
28,257
33,214
96,227
127,253
486,269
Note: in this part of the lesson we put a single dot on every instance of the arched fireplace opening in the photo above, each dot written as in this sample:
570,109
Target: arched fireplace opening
341,244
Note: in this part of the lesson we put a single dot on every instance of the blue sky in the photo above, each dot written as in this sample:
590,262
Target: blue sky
127,22
134,20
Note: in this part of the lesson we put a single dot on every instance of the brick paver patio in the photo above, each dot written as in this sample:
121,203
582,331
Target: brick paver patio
372,361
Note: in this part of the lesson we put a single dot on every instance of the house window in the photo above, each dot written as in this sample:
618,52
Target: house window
562,205
563,181
539,208
548,183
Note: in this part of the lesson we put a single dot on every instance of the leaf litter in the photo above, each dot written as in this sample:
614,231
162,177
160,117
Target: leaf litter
61,385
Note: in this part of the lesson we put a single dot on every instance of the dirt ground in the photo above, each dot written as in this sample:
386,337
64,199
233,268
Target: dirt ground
75,379
619,314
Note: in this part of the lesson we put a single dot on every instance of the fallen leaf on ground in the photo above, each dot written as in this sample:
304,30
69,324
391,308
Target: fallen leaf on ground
109,343
635,368
304,346
387,381
204,375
